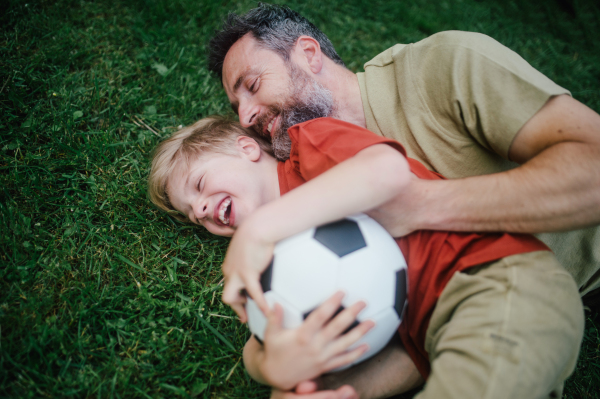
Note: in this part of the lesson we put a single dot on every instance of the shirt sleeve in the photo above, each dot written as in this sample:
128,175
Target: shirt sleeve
322,143
478,88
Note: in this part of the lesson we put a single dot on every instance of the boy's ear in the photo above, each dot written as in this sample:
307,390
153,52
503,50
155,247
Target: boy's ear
308,50
248,147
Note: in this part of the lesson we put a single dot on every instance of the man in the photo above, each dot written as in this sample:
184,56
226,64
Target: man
460,103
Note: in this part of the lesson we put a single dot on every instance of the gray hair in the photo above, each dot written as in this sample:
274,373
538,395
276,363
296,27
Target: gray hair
275,27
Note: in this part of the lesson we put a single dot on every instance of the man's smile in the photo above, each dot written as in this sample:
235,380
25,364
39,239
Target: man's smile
269,129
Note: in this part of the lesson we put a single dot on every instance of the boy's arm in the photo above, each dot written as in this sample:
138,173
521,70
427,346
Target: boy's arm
374,176
253,356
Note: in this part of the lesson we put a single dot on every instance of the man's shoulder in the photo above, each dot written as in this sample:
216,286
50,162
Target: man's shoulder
442,40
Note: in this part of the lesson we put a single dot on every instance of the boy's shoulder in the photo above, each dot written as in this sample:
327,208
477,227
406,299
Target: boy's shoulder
327,123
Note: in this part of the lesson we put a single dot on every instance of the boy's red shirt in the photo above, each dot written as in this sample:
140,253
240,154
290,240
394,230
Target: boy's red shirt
432,256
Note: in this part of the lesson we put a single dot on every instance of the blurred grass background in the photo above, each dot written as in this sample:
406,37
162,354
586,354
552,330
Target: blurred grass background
100,294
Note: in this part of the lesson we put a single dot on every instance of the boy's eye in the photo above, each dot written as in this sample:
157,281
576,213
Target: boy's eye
199,186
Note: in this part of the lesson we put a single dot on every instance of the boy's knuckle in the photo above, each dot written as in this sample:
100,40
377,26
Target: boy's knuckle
303,339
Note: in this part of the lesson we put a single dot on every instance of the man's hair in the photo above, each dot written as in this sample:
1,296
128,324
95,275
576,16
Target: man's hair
275,27
214,134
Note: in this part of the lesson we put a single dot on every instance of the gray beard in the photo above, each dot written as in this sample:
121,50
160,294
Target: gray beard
308,100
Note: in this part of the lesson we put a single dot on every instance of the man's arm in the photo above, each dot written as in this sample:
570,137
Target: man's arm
390,372
557,186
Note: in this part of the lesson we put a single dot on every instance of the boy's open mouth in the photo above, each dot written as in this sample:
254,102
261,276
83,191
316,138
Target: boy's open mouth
224,211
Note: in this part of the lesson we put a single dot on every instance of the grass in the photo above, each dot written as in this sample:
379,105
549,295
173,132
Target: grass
100,294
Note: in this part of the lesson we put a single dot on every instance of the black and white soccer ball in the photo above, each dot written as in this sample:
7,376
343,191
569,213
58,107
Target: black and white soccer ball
355,255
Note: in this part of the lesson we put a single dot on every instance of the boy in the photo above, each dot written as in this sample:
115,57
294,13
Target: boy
484,309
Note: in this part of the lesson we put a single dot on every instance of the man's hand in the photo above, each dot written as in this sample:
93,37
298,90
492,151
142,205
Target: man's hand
399,224
316,347
308,390
247,257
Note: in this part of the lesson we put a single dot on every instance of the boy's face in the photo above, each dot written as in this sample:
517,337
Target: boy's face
219,191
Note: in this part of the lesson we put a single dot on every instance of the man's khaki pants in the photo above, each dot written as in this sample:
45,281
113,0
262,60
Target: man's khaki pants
508,329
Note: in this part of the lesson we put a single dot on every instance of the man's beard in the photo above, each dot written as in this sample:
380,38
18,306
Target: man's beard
307,100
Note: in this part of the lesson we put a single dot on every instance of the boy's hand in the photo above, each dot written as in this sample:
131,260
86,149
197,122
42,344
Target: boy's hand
247,257
314,348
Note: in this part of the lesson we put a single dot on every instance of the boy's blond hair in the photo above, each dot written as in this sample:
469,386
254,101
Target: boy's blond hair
215,134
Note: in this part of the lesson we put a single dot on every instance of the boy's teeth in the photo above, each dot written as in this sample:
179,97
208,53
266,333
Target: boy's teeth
223,209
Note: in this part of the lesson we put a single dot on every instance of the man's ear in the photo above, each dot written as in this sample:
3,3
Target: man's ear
248,148
308,50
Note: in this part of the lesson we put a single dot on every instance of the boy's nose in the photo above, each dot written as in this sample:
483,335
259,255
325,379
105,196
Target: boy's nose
201,210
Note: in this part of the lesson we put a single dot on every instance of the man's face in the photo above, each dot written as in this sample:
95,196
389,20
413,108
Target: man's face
271,95
218,191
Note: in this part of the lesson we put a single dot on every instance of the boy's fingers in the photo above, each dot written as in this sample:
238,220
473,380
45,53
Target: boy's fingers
343,320
233,296
232,290
274,320
345,341
346,357
321,315
240,310
255,292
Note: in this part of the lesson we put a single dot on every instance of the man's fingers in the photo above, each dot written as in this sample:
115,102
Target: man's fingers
344,392
305,387
321,315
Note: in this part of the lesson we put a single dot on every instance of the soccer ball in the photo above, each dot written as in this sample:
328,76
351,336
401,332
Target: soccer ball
355,255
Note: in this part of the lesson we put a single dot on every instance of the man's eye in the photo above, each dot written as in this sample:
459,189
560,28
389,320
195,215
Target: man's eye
254,86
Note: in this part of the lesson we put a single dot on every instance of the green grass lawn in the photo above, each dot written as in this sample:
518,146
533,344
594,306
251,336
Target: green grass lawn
101,295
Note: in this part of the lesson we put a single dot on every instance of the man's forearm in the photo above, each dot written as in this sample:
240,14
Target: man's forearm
557,186
390,372
559,189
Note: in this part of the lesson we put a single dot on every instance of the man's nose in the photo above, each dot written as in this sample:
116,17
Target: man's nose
248,112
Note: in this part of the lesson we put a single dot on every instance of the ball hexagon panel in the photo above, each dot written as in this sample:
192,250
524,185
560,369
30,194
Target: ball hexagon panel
381,244
363,276
341,237
305,274
293,240
256,319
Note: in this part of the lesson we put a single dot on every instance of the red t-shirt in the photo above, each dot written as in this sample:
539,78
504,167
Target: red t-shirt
432,256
